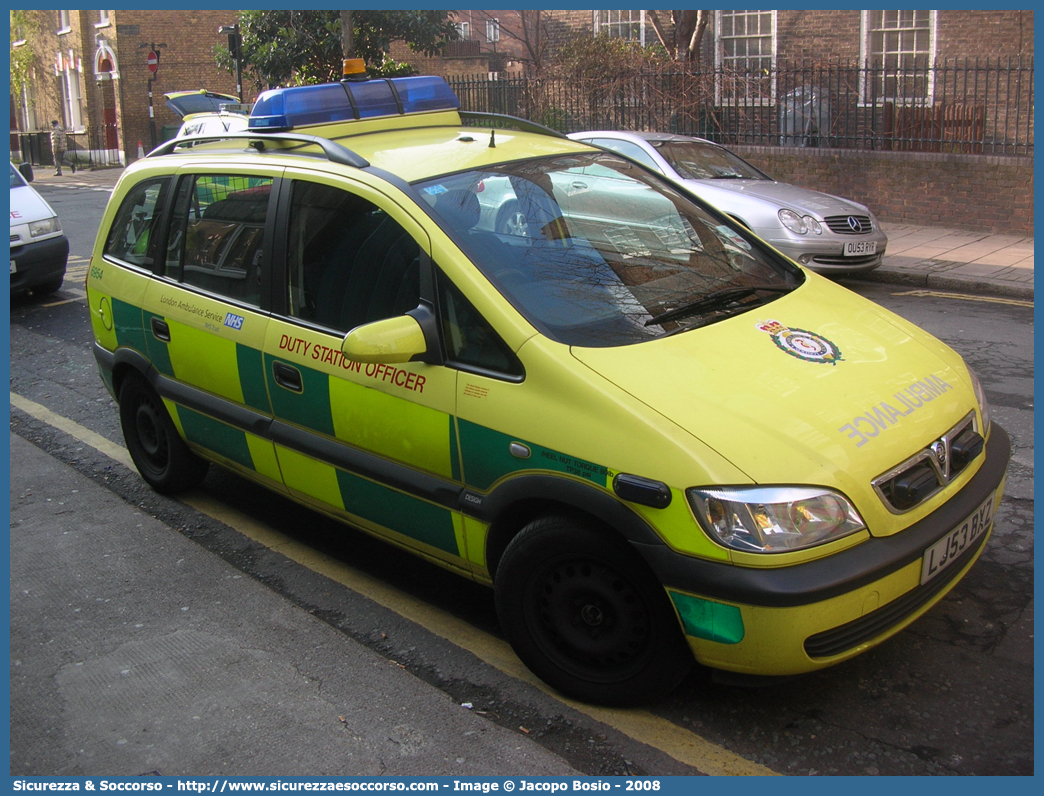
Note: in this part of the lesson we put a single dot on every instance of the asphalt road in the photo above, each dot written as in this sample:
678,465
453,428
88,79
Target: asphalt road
952,694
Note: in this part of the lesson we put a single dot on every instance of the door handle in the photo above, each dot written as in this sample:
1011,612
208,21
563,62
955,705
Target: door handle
287,376
160,329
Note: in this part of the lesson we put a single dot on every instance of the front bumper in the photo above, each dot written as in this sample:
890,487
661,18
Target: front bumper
825,254
38,262
787,620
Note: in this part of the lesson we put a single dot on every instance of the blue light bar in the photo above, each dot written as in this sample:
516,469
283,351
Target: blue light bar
286,108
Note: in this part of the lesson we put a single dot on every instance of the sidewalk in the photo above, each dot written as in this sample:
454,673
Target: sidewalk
134,651
928,257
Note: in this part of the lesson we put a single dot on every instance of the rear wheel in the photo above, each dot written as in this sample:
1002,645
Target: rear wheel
585,614
159,453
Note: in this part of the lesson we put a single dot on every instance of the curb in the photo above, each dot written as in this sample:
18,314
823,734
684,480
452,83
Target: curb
932,280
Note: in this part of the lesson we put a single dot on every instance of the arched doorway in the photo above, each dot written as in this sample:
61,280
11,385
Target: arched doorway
106,72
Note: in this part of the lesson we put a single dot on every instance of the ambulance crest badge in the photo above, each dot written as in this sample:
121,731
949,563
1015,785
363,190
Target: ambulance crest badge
800,343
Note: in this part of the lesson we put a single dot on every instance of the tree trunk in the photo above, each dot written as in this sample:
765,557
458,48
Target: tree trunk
347,35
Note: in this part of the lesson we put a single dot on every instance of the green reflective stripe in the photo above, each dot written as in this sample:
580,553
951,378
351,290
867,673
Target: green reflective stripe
127,322
454,452
709,620
252,377
216,436
311,407
158,352
487,457
410,516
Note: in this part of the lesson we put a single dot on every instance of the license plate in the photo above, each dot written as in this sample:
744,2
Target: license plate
860,248
948,549
13,266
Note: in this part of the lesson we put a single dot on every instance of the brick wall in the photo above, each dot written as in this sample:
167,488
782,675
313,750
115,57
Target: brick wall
983,193
187,62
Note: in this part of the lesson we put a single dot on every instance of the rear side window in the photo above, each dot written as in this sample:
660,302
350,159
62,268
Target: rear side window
217,232
131,236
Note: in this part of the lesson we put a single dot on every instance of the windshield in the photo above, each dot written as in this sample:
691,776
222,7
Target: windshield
696,160
592,248
16,179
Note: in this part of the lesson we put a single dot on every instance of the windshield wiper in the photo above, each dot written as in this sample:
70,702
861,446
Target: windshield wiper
715,300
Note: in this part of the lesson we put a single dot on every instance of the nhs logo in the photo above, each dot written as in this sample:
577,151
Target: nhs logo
234,321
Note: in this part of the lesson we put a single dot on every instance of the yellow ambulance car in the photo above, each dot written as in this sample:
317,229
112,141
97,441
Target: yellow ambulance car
538,364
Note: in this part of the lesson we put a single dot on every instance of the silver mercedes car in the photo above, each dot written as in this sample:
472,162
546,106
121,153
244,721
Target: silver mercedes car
825,233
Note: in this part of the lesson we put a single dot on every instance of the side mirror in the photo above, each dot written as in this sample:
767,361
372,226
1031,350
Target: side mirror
389,341
26,170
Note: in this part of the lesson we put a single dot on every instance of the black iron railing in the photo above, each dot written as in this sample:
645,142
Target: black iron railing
91,148
966,106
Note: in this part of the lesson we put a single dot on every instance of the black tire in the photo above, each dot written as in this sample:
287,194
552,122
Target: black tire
159,453
586,615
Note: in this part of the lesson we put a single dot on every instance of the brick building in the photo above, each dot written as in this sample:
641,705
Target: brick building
503,40
88,69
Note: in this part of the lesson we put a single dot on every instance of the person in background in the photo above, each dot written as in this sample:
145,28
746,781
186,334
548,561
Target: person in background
59,145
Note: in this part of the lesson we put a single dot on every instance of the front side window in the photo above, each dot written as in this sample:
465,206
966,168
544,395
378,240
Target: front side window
746,56
217,232
131,237
595,251
631,150
470,341
349,261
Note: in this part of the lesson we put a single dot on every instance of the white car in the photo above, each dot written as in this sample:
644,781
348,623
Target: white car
39,248
207,112
823,232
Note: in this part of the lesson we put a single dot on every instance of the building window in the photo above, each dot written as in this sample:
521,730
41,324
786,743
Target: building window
492,30
464,30
746,56
63,22
103,19
898,47
69,84
628,25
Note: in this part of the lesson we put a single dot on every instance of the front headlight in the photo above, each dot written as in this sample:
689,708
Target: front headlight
793,222
774,519
980,396
45,227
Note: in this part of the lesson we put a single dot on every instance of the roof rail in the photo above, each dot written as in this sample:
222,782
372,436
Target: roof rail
335,153
491,119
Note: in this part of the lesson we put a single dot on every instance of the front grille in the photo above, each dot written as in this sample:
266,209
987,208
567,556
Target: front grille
912,482
850,225
843,638
826,260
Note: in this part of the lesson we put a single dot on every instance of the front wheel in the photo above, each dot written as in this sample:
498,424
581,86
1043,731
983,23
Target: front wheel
159,453
585,614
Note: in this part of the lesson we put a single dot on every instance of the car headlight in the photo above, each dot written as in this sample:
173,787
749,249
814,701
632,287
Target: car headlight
45,227
980,396
793,222
813,225
774,519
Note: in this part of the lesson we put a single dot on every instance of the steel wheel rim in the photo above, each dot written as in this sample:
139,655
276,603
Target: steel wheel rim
590,620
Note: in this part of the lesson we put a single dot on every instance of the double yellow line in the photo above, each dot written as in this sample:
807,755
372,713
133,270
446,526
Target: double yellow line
642,726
